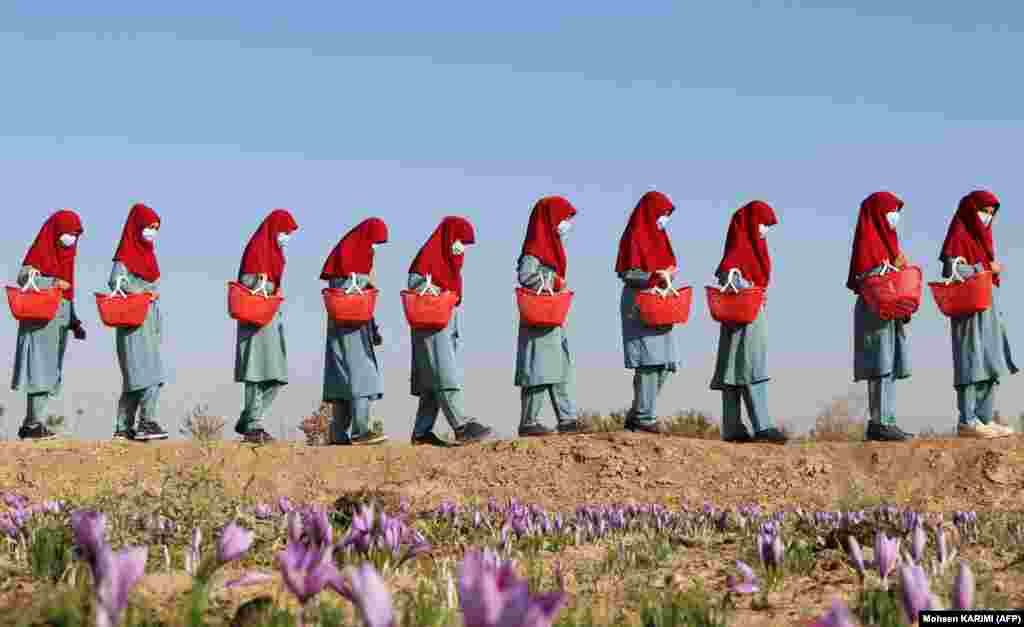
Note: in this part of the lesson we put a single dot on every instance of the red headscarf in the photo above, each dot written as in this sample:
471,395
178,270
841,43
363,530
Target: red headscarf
542,238
643,245
135,252
354,253
744,248
874,241
52,258
436,258
967,237
263,254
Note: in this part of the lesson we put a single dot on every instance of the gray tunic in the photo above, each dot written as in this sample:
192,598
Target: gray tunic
643,345
981,349
138,349
880,347
260,352
435,354
742,350
543,356
351,365
39,353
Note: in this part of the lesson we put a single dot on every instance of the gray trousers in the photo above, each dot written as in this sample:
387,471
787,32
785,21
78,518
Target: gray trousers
434,401
647,384
354,414
137,402
258,398
35,409
533,401
882,400
755,397
976,402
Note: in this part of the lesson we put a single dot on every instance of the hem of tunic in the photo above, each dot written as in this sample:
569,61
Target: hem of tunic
863,377
432,390
34,390
671,366
280,381
136,388
721,385
327,398
530,384
994,379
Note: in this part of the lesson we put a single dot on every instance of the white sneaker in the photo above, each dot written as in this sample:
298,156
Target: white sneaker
978,431
1001,428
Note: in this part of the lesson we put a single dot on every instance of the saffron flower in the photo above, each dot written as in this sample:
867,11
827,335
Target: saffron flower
963,588
491,594
837,616
368,593
113,574
887,553
747,584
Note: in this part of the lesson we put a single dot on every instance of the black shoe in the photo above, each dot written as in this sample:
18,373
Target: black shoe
473,432
770,436
431,439
36,432
257,436
643,427
906,434
125,434
535,430
149,430
571,428
744,438
878,432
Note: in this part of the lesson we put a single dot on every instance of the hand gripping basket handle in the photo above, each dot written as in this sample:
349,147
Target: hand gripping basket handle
117,287
31,281
887,267
954,273
430,287
664,292
261,288
353,286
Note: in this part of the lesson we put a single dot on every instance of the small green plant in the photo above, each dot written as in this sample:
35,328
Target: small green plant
691,608
200,425
50,552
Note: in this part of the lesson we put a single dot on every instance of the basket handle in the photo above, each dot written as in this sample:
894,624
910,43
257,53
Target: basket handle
430,287
954,273
261,288
353,286
547,283
887,267
730,282
31,281
663,292
117,291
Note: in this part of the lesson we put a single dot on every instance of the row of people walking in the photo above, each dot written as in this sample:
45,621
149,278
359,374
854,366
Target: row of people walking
545,367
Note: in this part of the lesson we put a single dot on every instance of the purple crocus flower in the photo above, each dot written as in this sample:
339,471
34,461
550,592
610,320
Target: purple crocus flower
308,568
747,584
915,593
368,593
838,616
887,553
963,588
113,574
262,511
192,554
770,549
248,579
234,542
492,595
359,534
918,541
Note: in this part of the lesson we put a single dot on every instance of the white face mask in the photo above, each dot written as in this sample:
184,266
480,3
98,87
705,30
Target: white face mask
282,239
148,234
986,218
68,240
663,221
564,227
762,230
458,248
893,217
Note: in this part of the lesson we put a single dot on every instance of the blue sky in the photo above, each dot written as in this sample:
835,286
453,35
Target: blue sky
216,113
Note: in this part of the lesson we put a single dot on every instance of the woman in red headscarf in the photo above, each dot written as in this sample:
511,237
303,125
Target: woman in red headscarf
981,350
646,260
39,356
136,271
881,351
261,357
436,371
544,364
351,368
741,371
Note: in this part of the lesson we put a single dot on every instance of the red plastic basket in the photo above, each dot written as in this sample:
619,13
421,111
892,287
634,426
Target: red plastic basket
32,305
661,311
895,294
256,309
735,307
428,312
127,311
350,310
543,310
958,299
